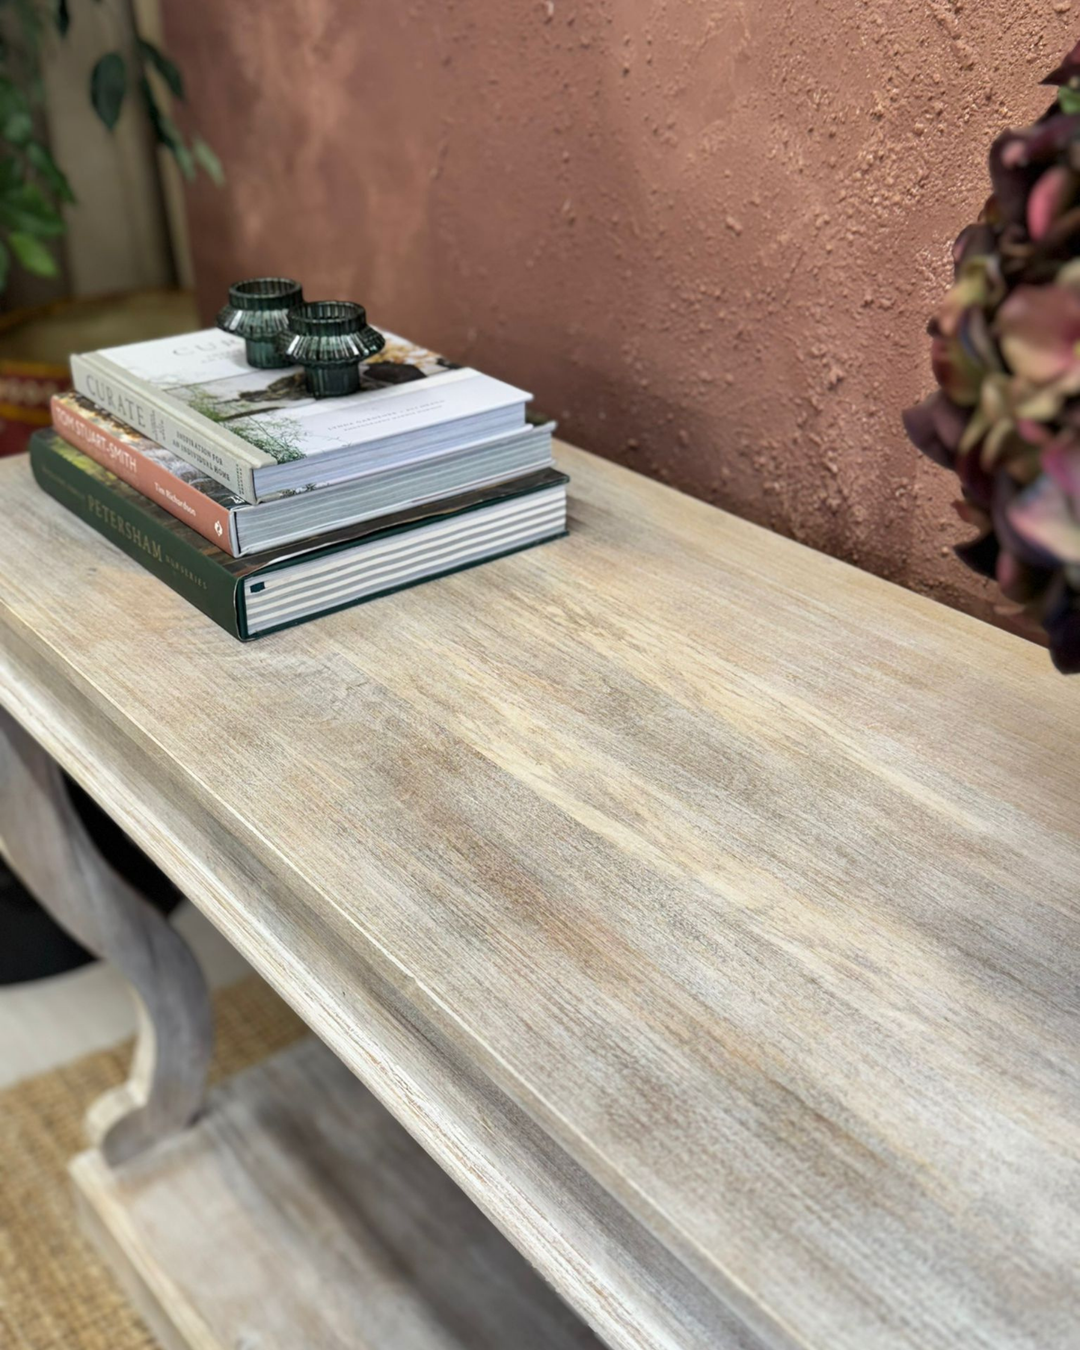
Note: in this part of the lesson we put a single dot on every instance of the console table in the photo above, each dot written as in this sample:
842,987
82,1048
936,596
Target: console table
706,909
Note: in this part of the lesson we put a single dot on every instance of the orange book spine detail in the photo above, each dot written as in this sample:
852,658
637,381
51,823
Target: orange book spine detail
180,499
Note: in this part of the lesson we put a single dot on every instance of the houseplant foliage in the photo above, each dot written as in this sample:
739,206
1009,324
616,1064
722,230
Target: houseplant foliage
1005,351
33,187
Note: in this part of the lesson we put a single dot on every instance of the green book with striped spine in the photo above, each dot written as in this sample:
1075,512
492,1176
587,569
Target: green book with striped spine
265,592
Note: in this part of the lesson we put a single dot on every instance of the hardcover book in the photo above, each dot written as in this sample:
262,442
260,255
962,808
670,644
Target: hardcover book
250,597
259,432
241,527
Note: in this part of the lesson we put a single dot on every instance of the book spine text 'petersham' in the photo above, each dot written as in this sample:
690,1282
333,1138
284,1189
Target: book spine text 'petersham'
124,398
172,494
133,528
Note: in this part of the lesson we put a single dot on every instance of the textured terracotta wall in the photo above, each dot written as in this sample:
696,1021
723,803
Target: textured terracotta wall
706,235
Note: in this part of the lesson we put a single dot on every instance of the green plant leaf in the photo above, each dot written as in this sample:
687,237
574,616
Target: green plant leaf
40,159
12,100
167,132
62,17
1069,99
26,210
208,160
167,69
108,84
183,158
11,174
5,265
18,128
33,255
16,120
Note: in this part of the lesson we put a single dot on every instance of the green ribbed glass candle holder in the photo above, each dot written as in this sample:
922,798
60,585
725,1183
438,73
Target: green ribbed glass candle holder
330,338
258,311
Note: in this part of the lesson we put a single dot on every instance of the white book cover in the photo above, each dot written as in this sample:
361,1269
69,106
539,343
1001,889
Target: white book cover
259,431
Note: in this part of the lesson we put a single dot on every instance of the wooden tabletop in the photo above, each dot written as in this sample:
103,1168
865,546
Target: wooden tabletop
750,879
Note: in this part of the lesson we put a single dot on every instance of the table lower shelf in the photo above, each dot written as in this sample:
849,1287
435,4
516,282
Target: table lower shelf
298,1213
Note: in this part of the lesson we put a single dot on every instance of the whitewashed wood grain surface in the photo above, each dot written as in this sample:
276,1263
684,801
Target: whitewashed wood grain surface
750,879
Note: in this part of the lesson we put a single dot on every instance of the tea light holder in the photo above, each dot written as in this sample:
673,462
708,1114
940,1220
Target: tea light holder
257,311
330,338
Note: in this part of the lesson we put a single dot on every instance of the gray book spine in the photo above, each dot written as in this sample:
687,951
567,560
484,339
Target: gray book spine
143,408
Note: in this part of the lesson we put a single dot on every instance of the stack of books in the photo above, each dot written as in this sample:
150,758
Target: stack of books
265,507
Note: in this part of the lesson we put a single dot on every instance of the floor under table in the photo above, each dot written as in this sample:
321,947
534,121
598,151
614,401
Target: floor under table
298,1213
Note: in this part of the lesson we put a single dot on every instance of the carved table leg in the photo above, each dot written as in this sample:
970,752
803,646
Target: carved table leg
50,851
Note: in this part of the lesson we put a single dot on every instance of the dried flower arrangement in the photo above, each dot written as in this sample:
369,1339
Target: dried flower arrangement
1006,354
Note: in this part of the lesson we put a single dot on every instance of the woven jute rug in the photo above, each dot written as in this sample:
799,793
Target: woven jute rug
55,1294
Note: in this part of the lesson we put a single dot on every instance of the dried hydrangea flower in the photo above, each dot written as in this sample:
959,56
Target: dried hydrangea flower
1005,351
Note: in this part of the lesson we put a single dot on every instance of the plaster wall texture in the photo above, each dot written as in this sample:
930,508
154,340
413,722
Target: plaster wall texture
707,236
